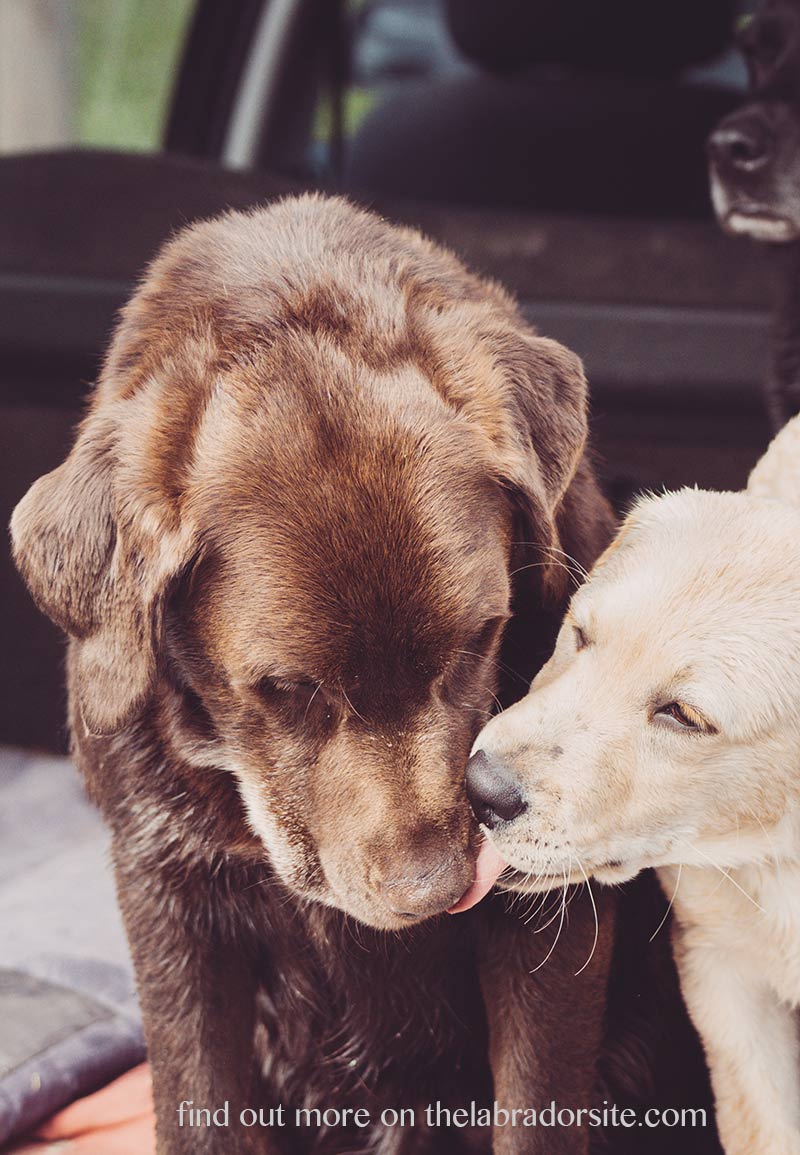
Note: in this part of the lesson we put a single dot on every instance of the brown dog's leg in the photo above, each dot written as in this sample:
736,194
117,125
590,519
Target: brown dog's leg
197,994
545,1025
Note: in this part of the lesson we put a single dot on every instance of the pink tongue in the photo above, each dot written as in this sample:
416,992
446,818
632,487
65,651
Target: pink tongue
487,869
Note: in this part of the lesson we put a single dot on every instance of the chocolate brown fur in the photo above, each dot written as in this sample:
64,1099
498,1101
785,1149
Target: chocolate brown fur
321,468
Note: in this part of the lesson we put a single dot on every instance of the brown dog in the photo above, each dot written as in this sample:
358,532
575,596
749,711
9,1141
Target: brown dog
283,548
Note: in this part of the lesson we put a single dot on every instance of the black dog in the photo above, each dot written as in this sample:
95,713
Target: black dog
755,178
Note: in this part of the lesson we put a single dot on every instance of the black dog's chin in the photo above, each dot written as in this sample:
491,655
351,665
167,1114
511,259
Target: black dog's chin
760,223
742,212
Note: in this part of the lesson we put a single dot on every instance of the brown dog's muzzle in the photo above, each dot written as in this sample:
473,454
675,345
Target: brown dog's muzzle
400,875
426,882
397,842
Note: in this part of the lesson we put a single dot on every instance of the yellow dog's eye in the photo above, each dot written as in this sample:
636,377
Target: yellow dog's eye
581,641
676,710
682,717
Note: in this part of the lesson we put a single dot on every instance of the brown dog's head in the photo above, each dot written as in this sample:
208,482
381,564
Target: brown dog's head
755,152
286,529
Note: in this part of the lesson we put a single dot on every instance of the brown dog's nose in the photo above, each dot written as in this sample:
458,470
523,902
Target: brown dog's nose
429,885
740,143
493,794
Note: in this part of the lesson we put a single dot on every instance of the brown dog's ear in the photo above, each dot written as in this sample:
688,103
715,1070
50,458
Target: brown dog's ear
100,572
548,407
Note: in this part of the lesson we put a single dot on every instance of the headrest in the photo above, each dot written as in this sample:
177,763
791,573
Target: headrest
637,37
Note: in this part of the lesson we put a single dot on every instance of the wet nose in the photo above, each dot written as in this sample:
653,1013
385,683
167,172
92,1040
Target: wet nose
493,794
740,144
427,884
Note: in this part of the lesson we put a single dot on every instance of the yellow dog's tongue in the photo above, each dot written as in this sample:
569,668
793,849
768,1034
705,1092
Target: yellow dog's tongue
487,868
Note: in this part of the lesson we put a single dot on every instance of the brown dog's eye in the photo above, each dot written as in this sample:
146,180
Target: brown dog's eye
465,664
303,704
682,717
486,635
279,691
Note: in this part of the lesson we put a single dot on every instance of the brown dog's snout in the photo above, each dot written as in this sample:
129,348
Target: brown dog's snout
493,793
741,143
426,883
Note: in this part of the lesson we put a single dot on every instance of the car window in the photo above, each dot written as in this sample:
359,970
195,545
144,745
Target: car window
415,108
97,73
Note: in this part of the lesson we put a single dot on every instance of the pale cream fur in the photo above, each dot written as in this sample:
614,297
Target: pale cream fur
698,604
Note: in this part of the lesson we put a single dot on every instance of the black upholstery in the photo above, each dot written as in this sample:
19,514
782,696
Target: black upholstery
635,37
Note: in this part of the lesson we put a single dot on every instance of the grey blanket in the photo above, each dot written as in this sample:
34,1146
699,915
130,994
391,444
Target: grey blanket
68,1014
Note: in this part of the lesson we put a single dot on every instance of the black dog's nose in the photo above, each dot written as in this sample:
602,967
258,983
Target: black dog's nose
739,144
493,795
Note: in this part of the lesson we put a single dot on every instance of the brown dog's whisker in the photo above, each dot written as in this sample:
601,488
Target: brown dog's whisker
350,705
571,564
542,565
498,665
311,699
572,561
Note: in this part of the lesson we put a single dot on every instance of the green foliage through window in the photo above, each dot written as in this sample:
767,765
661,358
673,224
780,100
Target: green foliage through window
128,52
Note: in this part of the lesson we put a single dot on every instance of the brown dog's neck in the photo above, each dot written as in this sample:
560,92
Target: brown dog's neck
343,1011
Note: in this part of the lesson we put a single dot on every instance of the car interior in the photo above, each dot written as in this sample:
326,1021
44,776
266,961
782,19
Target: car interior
436,113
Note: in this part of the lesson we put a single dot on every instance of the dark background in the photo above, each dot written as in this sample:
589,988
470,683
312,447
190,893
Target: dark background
560,149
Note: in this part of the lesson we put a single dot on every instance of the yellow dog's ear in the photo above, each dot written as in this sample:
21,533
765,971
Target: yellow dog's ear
777,474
